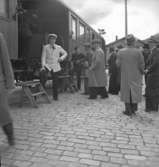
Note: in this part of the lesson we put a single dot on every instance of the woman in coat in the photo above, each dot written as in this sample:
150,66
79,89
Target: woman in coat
6,83
97,75
152,88
114,85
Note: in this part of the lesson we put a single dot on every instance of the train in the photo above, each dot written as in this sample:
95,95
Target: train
33,20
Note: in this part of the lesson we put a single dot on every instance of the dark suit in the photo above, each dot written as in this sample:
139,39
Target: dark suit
77,59
152,88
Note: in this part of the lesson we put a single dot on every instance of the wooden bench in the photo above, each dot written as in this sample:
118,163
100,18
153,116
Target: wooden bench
32,90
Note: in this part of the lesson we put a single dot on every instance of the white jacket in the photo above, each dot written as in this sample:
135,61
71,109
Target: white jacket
51,56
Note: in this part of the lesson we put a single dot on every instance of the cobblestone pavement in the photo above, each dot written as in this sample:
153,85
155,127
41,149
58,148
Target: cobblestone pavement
76,132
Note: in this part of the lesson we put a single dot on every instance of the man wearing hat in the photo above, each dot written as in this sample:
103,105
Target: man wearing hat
97,75
152,83
52,55
131,63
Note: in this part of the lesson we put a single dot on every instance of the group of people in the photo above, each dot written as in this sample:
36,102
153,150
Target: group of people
127,66
90,64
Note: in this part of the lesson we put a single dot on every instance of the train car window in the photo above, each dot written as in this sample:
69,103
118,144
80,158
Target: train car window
82,29
93,36
74,28
4,8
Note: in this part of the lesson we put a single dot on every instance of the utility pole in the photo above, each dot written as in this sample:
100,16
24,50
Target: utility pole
126,19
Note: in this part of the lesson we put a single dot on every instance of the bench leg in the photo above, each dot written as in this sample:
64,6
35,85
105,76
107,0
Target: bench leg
30,97
45,93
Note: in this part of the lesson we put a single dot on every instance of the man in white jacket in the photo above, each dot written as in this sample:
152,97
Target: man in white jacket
52,55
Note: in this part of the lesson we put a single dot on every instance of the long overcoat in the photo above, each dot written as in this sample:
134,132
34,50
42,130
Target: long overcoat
97,74
6,82
87,62
131,63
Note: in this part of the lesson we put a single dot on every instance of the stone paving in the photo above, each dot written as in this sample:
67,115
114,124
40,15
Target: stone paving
77,132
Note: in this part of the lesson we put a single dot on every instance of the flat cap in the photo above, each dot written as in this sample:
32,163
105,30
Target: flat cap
52,36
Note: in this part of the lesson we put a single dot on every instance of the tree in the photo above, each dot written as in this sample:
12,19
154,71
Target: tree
101,31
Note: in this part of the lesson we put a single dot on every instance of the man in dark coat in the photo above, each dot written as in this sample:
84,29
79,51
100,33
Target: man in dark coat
77,59
6,83
131,63
152,89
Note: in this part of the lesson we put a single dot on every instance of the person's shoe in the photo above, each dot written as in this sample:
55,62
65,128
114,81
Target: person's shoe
104,97
147,110
8,130
133,113
154,110
127,113
11,141
55,98
92,98
84,93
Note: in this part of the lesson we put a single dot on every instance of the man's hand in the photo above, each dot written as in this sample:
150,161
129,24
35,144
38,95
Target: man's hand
10,88
60,60
42,68
146,71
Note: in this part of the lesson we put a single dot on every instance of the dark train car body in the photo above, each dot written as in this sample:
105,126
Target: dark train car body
9,26
38,18
42,17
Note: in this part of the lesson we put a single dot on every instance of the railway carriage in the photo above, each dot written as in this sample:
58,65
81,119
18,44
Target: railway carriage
26,24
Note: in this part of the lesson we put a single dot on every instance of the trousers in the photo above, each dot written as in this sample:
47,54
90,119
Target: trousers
55,81
130,107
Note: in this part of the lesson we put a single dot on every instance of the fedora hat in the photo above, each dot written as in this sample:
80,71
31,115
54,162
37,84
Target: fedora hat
130,38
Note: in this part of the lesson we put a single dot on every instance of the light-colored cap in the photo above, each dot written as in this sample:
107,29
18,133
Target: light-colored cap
52,36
